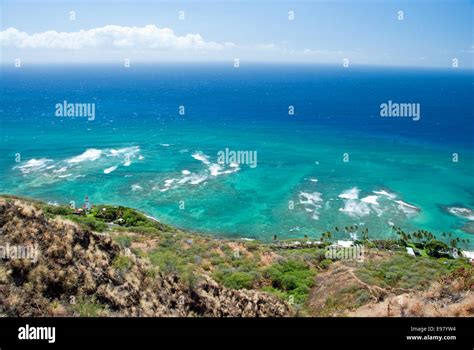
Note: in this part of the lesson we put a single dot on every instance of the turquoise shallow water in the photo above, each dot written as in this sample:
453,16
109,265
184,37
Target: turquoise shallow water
139,152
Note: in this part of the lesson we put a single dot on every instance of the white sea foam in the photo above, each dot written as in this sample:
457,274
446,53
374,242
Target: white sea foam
311,201
406,204
132,150
168,182
370,200
136,187
310,198
201,157
355,208
34,165
169,185
127,153
465,213
193,179
109,170
386,194
230,171
407,208
215,169
61,170
373,204
91,154
352,193
379,211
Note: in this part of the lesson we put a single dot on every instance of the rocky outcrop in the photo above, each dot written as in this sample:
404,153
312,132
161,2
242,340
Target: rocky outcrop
76,269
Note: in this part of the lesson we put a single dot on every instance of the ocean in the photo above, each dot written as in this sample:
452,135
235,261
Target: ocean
323,155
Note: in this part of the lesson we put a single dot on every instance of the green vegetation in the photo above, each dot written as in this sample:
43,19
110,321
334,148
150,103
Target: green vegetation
99,217
88,222
236,280
437,249
287,273
404,271
122,262
293,278
168,261
425,243
349,298
88,307
126,217
123,241
325,263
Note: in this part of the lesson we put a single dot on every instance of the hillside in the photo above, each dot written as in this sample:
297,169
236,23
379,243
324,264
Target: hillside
115,261
82,273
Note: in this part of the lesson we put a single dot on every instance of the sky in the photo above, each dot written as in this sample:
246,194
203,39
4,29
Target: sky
430,34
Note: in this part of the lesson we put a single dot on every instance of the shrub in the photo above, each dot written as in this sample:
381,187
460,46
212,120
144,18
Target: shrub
293,277
58,210
325,263
403,271
437,249
123,241
106,213
168,262
88,222
236,280
252,246
122,262
88,307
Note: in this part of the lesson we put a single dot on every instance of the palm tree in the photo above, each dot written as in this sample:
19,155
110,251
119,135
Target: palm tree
325,235
454,243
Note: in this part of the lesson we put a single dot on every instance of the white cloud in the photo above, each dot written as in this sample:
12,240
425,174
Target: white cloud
313,52
110,36
267,46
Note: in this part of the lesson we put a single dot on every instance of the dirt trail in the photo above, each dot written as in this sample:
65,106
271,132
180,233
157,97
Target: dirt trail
340,292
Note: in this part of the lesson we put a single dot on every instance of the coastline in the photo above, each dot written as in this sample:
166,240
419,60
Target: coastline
302,277
294,242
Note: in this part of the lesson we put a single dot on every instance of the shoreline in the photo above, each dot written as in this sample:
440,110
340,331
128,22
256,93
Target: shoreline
287,243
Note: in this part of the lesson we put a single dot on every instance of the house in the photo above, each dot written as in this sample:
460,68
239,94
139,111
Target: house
410,251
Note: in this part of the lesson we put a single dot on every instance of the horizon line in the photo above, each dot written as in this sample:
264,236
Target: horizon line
119,64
